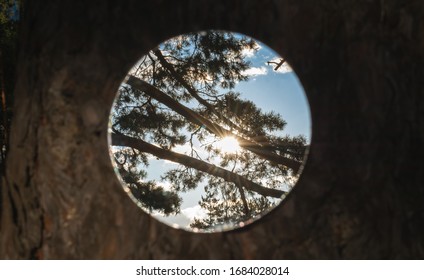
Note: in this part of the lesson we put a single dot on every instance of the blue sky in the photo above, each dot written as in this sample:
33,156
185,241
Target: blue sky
279,91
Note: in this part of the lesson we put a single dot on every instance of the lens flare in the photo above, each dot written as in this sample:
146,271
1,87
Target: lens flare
228,145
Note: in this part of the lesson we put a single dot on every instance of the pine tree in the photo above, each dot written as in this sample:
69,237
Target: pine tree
181,93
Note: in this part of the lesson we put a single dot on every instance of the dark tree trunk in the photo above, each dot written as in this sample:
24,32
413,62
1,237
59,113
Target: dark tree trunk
361,192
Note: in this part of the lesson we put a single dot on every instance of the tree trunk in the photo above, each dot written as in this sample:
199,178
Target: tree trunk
360,194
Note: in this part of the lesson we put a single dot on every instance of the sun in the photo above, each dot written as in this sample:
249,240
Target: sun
228,145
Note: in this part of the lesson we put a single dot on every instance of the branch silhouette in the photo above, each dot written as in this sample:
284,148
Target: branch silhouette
240,181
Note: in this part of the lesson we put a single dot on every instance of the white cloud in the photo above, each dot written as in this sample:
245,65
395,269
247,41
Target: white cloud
165,185
177,221
194,212
255,71
151,157
249,52
184,218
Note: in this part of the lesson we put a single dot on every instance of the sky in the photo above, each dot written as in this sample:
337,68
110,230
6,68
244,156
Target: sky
279,91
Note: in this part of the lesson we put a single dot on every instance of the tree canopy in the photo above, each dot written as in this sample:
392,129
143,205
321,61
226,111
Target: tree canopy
178,104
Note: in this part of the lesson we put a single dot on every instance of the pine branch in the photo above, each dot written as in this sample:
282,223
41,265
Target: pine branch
240,181
194,93
219,131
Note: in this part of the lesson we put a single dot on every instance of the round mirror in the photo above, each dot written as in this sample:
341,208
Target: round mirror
209,131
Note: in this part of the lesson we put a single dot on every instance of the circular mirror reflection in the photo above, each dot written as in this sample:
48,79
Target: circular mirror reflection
209,131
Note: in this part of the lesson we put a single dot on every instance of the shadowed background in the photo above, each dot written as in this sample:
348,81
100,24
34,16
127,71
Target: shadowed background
361,192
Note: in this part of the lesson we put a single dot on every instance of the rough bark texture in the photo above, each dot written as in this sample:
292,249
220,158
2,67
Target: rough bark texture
361,192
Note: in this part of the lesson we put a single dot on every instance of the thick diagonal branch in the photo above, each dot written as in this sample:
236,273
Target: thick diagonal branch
240,181
214,128
180,79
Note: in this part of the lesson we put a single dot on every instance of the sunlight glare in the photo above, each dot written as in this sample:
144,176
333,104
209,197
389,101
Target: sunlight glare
228,145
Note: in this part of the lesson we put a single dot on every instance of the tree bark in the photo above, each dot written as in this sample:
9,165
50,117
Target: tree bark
360,195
